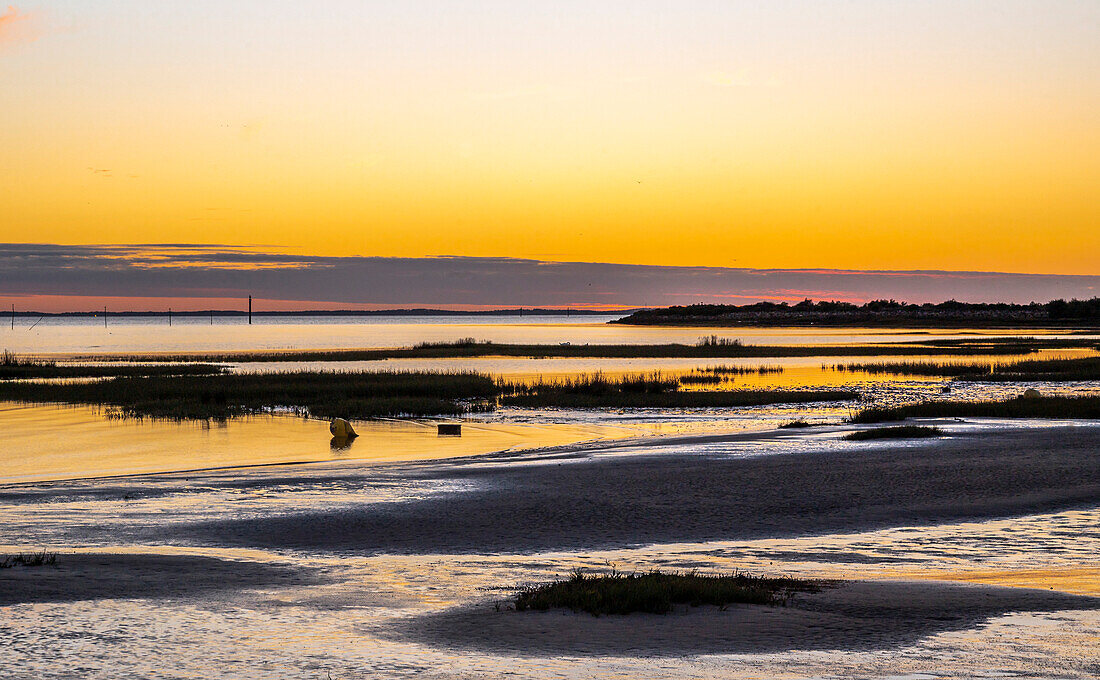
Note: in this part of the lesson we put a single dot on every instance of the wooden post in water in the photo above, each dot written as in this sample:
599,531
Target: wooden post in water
249,310
104,316
169,316
13,316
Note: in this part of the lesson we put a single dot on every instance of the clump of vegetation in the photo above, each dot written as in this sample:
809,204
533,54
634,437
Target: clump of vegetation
593,384
795,424
878,414
716,341
898,432
741,370
320,394
15,367
648,391
10,359
1083,407
1087,368
655,592
701,379
42,558
705,350
460,343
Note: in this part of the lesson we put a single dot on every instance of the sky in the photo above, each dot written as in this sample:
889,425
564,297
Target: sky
848,135
43,277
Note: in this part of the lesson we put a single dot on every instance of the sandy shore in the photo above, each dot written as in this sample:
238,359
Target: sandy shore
854,616
607,502
134,575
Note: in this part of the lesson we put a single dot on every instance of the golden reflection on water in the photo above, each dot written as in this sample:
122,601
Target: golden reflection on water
66,442
797,371
1074,580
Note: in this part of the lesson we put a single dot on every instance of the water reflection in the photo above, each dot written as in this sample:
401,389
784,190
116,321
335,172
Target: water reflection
341,444
126,335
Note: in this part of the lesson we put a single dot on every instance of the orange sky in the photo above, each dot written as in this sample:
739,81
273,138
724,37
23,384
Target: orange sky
952,136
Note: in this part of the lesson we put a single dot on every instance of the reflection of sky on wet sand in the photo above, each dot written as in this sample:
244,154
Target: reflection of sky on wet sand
343,626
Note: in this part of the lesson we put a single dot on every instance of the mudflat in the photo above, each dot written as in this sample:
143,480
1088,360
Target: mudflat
608,501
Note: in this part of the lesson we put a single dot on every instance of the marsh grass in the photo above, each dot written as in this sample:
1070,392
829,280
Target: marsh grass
741,370
651,390
15,367
1087,368
795,425
716,341
656,592
317,394
717,349
1083,407
701,379
364,394
896,432
41,558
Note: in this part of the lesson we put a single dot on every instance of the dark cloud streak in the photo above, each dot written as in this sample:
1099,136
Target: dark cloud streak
205,270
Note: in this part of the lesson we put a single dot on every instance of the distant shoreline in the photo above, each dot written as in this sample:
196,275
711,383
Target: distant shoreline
515,311
877,313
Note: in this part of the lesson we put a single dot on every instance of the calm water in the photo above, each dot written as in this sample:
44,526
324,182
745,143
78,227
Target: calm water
58,490
63,336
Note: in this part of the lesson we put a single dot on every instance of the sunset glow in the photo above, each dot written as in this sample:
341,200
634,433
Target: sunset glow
864,135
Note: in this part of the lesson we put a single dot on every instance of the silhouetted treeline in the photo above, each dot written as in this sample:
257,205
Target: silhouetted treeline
874,312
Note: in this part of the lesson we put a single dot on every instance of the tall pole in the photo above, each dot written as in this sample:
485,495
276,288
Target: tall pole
13,316
169,316
104,316
249,310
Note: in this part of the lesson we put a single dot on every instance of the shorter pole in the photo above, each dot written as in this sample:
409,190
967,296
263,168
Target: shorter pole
249,310
169,316
104,316
13,316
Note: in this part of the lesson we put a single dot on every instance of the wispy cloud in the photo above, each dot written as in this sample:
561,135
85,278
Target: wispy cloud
17,26
182,270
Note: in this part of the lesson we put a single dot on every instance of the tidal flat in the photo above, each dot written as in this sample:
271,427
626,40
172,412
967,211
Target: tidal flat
258,544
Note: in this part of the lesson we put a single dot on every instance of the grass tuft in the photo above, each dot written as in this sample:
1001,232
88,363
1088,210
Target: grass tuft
795,425
1083,407
15,367
650,390
41,558
656,592
897,432
1061,370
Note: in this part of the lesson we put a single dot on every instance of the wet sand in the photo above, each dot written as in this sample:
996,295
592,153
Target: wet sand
111,576
854,616
607,501
401,563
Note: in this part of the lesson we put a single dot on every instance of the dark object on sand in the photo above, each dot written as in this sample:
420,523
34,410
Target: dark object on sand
449,429
42,558
341,429
655,592
898,432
